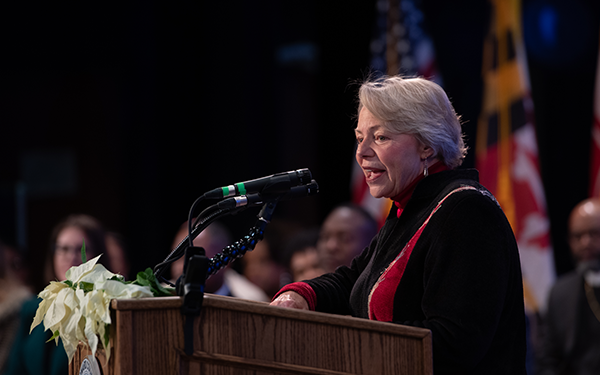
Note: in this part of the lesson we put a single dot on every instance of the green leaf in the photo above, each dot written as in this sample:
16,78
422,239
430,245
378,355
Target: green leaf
164,291
55,335
69,283
106,334
87,287
147,278
142,279
83,256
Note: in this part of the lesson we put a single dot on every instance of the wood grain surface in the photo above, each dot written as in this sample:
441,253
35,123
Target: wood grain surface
236,336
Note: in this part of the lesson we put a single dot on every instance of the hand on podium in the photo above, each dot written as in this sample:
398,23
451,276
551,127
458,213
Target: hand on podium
291,300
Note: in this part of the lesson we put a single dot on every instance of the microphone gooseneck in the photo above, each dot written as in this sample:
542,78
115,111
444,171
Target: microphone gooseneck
266,192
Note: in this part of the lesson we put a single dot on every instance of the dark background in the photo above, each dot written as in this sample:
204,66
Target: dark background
131,112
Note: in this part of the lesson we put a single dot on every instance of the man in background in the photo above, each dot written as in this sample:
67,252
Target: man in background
346,231
571,327
301,256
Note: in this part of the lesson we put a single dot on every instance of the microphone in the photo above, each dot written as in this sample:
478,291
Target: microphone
256,199
278,183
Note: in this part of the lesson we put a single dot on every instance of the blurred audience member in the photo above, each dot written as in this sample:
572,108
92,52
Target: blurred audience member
261,269
226,282
571,325
66,243
30,353
346,231
302,259
15,266
13,293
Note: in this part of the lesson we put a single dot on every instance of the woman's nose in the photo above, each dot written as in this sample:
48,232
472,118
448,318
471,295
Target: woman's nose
363,150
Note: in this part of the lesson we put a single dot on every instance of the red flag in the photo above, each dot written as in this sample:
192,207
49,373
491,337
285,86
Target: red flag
506,150
595,152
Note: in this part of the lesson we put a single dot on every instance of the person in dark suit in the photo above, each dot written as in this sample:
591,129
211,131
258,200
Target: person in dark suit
571,325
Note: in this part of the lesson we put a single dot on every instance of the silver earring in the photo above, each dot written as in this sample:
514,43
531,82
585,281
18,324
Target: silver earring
425,170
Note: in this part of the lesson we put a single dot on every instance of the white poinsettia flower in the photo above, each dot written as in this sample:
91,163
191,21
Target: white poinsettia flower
75,273
59,309
98,274
95,305
71,332
90,334
117,289
78,309
48,296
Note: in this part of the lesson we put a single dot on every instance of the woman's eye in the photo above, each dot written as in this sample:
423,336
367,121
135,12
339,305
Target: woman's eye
380,138
359,140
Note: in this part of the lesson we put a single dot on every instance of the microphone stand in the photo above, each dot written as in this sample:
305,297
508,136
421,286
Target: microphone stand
248,242
198,268
192,291
179,250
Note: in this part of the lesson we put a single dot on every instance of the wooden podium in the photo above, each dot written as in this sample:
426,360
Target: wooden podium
235,336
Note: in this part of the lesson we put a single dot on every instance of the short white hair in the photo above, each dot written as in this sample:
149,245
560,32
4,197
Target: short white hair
418,107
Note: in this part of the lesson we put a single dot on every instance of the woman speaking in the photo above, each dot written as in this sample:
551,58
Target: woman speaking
446,258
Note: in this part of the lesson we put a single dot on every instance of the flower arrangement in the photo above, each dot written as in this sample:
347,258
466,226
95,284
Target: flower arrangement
78,309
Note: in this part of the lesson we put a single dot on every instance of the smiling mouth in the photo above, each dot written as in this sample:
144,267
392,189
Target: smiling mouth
373,174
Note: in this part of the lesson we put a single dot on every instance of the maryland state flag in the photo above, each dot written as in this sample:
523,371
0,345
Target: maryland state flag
506,150
595,162
400,45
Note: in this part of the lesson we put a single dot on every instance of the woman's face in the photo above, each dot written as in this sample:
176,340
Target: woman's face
389,161
67,252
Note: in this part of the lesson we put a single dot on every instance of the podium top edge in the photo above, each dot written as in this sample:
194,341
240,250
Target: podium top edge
263,308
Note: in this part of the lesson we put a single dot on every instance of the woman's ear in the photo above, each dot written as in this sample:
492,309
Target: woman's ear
426,152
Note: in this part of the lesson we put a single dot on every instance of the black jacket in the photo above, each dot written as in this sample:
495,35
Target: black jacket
462,280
